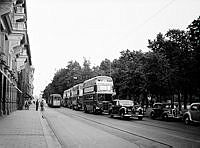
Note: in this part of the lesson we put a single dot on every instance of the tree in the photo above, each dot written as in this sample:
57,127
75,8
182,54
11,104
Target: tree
48,90
157,75
64,79
105,67
194,38
171,67
86,70
128,75
194,33
175,47
74,75
96,71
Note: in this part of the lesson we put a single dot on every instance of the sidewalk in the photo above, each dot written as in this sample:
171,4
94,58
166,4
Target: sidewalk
26,129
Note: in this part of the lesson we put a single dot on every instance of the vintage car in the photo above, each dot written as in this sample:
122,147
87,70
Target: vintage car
193,114
125,109
165,111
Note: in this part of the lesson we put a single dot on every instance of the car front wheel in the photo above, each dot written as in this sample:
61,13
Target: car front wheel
111,115
165,117
152,115
122,115
94,110
187,120
140,118
85,109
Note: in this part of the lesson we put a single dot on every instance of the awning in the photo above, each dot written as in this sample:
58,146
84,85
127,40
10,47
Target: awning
18,89
10,81
20,2
21,20
5,7
6,76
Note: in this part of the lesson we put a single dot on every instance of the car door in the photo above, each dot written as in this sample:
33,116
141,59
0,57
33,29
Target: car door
198,112
114,107
158,110
194,112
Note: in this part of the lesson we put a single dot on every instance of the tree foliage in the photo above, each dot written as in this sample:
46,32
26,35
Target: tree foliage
169,71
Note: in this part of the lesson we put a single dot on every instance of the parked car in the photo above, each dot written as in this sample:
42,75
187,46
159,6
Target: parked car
139,109
125,109
165,111
193,114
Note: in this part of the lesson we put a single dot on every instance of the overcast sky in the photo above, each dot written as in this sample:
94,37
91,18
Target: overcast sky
64,30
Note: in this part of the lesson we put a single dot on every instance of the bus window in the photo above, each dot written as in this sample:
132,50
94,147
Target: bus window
104,97
108,97
100,97
88,97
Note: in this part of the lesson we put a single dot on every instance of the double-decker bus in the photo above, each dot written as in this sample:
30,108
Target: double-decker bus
67,102
54,100
97,94
63,101
77,96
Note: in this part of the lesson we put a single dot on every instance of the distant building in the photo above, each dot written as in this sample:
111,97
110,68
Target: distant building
16,70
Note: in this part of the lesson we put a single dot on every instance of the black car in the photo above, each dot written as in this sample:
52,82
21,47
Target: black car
124,109
193,114
165,111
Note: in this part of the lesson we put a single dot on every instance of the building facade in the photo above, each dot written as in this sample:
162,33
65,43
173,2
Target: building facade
16,71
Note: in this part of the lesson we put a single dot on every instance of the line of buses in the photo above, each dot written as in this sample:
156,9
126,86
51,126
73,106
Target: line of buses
93,95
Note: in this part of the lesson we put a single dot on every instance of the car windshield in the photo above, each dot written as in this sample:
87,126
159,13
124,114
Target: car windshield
161,106
126,102
57,98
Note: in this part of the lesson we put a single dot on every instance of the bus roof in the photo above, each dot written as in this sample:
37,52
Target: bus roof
98,78
78,85
55,95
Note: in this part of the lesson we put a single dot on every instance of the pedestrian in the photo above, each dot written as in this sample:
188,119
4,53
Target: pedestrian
37,104
42,105
26,105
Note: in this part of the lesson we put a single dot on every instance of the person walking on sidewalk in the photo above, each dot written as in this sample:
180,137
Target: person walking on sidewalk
26,105
42,105
37,104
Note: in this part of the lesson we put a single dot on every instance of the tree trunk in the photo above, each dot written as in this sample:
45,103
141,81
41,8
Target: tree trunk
185,99
190,97
147,102
172,101
179,101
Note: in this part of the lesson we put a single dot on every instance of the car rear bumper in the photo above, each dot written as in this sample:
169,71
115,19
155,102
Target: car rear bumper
174,117
127,115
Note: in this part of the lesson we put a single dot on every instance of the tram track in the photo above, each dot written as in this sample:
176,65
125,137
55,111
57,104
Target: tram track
53,129
115,128
166,128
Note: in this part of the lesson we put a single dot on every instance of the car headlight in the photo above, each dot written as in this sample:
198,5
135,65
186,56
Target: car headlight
126,110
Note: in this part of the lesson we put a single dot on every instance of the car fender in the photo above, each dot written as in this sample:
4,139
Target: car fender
166,112
188,114
152,111
122,109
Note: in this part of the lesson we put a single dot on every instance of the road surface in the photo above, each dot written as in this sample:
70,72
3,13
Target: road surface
76,129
